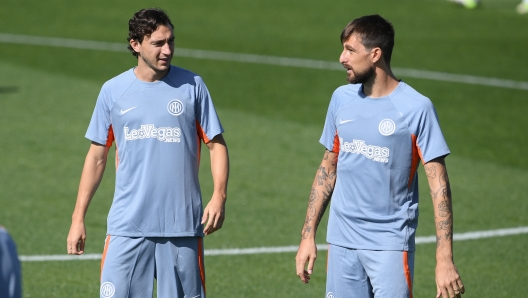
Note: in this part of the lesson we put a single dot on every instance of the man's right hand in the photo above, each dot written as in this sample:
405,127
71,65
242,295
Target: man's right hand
306,254
76,239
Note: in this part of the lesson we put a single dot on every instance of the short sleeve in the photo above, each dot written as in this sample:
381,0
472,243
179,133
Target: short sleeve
99,129
329,136
430,140
207,121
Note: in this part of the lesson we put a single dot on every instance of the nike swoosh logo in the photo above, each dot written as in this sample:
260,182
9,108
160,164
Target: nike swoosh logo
127,110
345,121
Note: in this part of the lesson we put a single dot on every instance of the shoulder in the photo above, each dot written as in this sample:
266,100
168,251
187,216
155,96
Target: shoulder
119,82
182,75
407,98
345,94
349,89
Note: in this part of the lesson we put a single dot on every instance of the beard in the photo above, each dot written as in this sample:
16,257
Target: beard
362,77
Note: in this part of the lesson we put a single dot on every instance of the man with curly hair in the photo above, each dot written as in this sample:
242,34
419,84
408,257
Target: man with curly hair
158,115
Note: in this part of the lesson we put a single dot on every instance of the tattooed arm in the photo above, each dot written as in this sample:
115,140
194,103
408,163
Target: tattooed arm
320,195
448,282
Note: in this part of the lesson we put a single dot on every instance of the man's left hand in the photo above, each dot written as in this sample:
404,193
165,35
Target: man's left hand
448,282
214,214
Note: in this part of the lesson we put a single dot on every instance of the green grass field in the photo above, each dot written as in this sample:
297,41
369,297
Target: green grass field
273,116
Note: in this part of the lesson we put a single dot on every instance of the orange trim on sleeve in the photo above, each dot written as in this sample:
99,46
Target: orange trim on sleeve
116,158
107,242
407,272
201,262
201,136
416,155
335,147
110,138
201,133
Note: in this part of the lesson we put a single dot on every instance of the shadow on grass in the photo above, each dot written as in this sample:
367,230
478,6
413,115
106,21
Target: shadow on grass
8,89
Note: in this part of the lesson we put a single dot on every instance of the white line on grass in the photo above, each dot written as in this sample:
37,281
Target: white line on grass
292,248
259,59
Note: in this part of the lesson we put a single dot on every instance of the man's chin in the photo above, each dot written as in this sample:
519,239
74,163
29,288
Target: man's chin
352,80
163,68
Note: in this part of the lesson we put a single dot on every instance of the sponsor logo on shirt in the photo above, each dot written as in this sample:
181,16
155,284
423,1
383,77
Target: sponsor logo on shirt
122,112
149,131
341,122
375,153
330,295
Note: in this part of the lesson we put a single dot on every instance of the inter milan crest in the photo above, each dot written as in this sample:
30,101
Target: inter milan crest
175,107
107,290
387,127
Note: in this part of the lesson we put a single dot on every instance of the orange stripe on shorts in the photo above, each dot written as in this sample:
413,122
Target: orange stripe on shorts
107,242
201,261
407,272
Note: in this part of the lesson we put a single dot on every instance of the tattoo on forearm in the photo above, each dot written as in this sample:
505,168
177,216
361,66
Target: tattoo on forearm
322,175
441,196
444,224
326,199
449,235
445,208
322,189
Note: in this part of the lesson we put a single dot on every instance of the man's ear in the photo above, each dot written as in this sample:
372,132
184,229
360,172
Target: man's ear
376,54
135,45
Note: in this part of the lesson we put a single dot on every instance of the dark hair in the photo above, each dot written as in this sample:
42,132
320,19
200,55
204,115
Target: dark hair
144,22
374,31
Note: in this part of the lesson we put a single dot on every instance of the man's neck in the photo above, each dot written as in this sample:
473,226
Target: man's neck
382,84
147,74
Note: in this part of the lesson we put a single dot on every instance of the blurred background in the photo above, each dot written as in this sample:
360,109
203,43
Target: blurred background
473,64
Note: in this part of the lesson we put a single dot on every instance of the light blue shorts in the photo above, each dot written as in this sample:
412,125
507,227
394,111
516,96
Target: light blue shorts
130,265
356,273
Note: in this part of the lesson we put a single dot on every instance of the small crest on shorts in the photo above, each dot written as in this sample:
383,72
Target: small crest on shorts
175,107
387,127
107,290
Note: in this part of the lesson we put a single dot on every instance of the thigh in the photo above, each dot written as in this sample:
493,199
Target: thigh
127,267
180,267
346,277
390,272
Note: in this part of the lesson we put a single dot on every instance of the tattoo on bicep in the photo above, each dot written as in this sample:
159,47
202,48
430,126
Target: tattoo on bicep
326,154
443,177
430,171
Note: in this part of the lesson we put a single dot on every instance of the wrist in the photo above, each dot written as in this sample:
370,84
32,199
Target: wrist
219,195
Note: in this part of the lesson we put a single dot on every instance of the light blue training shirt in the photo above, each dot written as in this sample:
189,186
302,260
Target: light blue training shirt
379,142
158,128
